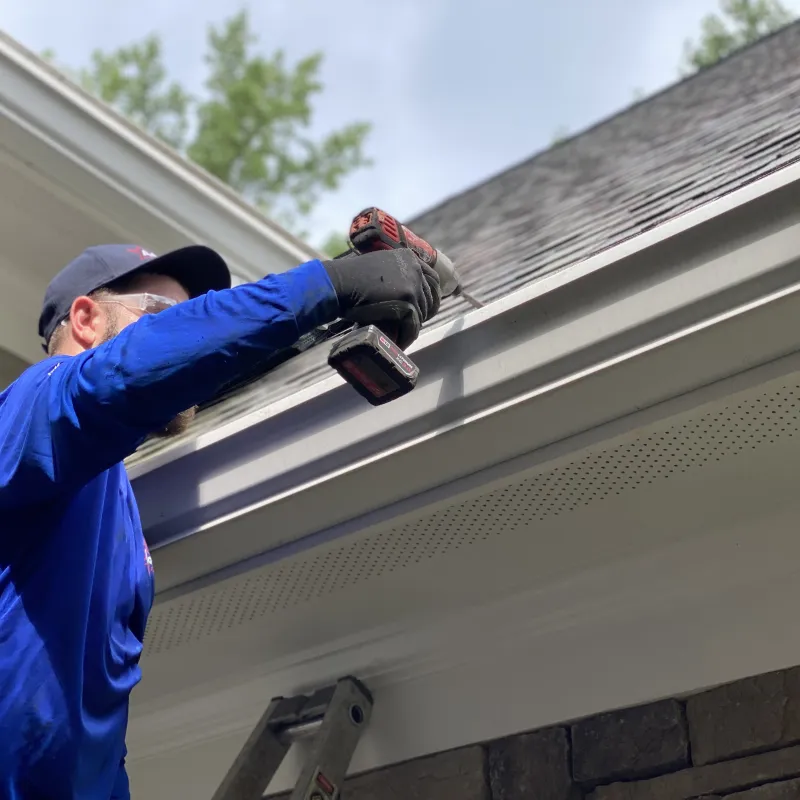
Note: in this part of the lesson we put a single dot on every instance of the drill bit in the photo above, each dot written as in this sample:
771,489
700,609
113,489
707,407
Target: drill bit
473,301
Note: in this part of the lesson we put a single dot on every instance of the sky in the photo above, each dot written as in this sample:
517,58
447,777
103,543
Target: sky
456,90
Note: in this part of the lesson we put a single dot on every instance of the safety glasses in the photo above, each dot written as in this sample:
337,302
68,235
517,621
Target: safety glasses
144,301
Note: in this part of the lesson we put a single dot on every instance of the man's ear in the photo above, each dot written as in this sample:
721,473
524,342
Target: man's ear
87,321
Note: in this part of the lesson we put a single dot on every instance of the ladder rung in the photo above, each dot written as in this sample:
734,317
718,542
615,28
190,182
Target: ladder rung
302,730
291,711
334,716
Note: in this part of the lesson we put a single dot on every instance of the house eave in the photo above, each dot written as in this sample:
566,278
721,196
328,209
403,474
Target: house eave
649,555
72,142
723,260
588,503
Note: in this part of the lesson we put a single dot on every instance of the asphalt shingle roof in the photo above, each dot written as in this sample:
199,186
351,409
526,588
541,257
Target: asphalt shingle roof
694,142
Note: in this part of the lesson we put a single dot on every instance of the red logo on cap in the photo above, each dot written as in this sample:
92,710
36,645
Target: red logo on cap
143,254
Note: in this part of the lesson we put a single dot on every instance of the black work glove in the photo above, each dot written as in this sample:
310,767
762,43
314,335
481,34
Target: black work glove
391,289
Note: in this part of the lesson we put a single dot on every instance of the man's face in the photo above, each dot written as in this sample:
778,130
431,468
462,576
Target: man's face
119,313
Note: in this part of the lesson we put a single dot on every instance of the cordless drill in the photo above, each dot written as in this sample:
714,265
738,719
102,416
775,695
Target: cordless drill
367,357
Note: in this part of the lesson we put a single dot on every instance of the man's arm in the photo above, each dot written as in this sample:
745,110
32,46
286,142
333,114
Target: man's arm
66,422
62,425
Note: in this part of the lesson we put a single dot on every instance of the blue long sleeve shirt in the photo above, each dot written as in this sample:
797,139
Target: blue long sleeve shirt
76,577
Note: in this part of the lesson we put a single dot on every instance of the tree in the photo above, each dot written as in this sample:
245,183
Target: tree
741,22
133,79
560,135
250,127
335,244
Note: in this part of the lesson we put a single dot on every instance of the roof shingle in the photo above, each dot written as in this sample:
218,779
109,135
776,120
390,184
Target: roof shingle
692,143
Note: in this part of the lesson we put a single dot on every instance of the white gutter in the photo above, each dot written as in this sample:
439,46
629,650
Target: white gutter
720,259
70,139
536,294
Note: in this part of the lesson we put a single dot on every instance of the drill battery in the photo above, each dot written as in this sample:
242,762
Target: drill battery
373,365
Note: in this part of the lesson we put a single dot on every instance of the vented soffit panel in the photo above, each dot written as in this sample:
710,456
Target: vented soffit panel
729,435
679,296
652,561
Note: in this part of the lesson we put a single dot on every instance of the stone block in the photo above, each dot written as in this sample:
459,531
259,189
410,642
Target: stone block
721,778
747,716
452,775
783,790
532,766
630,744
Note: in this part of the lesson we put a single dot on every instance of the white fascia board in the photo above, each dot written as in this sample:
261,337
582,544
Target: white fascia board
722,261
89,149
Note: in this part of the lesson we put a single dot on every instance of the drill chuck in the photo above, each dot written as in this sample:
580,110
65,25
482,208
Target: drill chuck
448,277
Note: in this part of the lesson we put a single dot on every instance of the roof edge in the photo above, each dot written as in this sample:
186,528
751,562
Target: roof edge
597,313
612,117
69,97
532,294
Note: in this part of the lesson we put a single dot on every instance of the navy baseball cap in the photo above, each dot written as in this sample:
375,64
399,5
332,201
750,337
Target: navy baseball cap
197,268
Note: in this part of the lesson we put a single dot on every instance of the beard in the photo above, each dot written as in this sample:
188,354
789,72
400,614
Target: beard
182,421
179,424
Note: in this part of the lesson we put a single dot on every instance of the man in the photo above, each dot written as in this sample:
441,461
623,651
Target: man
134,342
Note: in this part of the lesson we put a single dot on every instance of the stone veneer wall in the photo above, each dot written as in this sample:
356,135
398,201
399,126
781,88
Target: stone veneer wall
740,741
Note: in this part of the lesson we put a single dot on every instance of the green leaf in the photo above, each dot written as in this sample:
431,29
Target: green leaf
134,80
739,23
251,127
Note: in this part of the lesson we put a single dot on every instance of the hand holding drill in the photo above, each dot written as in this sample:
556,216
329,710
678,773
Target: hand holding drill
389,284
391,289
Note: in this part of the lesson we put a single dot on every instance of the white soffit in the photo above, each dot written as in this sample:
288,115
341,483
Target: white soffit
655,560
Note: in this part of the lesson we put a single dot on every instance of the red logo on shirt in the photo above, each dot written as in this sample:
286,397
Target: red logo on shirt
148,560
